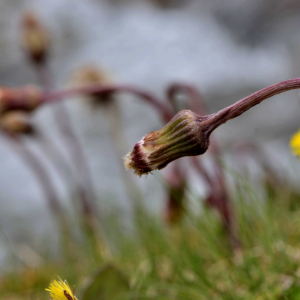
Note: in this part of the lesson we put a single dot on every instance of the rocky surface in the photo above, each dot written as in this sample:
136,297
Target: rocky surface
228,49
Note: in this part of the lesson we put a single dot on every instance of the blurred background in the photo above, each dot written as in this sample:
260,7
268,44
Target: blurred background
226,49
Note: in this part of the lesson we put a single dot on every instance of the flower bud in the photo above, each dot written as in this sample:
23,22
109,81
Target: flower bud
25,98
34,38
16,122
91,75
182,136
295,143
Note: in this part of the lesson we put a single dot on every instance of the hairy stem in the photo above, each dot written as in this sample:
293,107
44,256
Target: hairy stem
246,103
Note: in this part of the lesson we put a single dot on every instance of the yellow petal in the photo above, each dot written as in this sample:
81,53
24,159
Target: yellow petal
295,143
59,288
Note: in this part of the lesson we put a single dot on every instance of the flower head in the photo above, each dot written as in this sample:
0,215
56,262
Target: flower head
88,75
16,122
295,143
25,98
60,290
182,136
35,38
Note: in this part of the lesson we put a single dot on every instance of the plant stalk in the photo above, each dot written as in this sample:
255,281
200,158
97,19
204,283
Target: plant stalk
241,106
101,89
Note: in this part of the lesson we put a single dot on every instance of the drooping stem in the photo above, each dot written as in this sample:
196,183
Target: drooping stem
215,120
246,103
101,89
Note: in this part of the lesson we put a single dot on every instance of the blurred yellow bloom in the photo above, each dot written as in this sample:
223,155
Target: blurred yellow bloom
295,143
60,290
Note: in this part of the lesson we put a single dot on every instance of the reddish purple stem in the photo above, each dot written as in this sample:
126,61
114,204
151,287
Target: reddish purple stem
246,103
99,88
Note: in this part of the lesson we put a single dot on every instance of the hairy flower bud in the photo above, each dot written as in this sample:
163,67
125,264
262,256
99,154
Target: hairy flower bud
34,38
182,136
25,98
16,122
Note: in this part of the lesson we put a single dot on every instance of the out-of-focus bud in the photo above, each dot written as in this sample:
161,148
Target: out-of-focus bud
34,38
16,122
175,207
25,98
182,136
92,75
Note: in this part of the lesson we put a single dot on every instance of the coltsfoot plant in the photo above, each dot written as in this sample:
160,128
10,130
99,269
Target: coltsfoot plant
60,290
187,133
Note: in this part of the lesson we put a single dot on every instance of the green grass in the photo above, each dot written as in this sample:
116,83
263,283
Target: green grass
190,261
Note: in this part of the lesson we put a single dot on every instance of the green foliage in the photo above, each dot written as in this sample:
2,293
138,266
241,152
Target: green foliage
107,283
189,262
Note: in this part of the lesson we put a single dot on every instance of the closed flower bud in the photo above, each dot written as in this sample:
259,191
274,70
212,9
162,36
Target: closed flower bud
34,38
25,98
182,136
16,122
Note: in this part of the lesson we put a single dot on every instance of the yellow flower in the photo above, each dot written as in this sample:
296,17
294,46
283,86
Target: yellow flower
60,290
295,143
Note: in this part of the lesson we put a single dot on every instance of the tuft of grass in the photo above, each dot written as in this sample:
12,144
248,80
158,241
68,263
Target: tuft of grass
190,261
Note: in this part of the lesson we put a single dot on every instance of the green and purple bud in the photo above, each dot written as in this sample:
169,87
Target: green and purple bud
182,136
187,134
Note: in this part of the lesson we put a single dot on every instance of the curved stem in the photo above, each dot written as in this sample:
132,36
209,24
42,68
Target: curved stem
238,108
101,89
